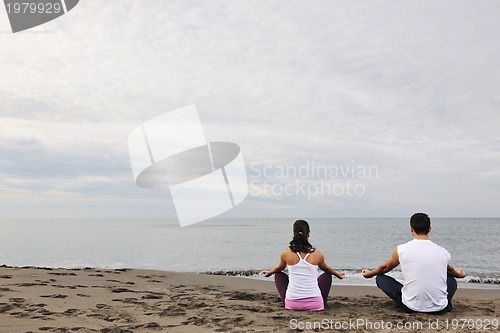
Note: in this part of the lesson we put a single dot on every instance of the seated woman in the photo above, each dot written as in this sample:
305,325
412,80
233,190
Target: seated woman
303,289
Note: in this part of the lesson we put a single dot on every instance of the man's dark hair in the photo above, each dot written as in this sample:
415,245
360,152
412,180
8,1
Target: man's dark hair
420,223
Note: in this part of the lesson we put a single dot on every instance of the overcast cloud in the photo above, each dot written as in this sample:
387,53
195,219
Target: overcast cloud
412,88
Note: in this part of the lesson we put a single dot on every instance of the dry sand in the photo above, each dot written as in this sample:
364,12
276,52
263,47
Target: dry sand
132,300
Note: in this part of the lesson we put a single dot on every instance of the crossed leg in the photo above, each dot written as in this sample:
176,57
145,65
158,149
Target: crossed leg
392,288
324,283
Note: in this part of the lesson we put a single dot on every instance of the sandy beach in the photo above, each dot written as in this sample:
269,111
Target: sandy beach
133,300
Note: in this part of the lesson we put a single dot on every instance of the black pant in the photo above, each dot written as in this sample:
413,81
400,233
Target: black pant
392,288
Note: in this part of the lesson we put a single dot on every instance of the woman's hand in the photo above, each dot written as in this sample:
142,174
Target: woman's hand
281,266
266,273
460,273
367,273
340,275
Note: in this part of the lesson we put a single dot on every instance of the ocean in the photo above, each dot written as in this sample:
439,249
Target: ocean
243,246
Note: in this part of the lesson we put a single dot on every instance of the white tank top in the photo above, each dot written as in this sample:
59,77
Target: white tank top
424,267
303,280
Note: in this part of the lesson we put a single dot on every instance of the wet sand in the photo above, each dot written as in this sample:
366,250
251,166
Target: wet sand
133,300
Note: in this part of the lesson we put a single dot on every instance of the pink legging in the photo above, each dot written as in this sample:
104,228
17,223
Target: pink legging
324,283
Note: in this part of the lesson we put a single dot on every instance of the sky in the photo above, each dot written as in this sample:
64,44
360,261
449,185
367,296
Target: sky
409,91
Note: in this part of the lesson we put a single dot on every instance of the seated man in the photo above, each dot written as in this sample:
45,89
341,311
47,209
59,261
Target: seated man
428,280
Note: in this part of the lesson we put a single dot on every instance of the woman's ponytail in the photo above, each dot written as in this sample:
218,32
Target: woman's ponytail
300,243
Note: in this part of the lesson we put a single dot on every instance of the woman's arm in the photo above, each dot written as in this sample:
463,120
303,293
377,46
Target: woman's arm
281,266
323,266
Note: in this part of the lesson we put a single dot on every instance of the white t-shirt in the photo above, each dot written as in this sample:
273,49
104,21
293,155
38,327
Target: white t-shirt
424,267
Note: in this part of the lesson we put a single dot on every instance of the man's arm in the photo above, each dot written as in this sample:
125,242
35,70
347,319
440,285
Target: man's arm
458,273
281,266
324,267
385,267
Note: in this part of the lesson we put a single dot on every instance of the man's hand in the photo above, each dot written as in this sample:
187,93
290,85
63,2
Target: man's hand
385,267
458,273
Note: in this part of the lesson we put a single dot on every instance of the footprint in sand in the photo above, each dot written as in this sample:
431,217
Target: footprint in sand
115,330
29,284
16,299
54,296
71,312
129,300
117,281
58,286
152,296
45,312
4,307
64,274
47,328
113,272
122,290
40,305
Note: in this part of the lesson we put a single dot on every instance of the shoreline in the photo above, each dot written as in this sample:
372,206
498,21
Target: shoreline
351,281
141,300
